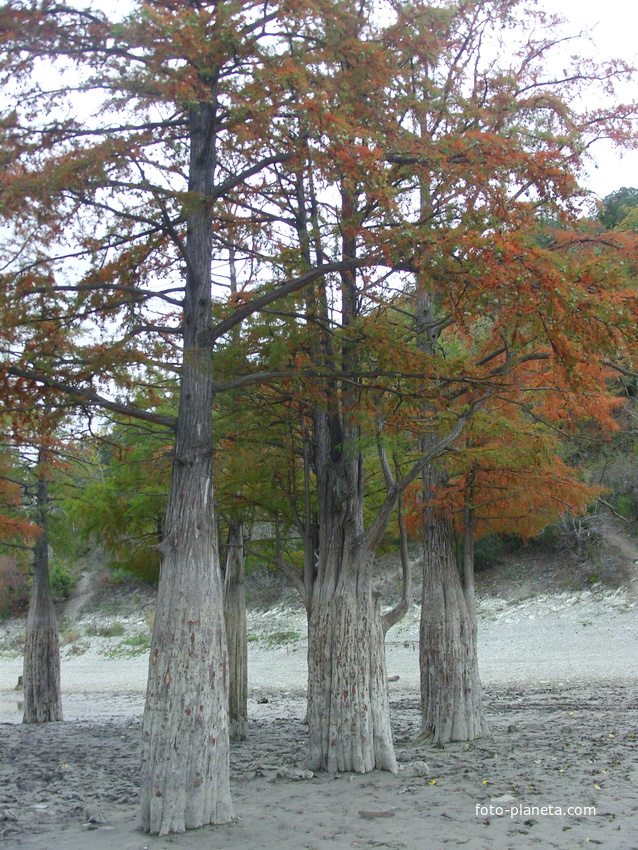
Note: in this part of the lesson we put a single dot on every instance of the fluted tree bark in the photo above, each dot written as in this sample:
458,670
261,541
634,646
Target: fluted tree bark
185,743
41,672
451,692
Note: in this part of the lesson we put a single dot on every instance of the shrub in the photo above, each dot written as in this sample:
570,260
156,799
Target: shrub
115,629
131,646
580,533
488,552
281,638
62,582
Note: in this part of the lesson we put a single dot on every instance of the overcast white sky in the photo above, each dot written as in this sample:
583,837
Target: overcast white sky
614,29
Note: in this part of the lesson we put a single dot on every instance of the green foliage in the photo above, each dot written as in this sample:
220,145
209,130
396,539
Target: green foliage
131,646
611,459
121,503
14,587
275,639
61,581
488,552
625,505
617,206
491,550
115,629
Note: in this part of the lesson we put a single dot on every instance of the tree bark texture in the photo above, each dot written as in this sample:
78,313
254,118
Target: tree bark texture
185,745
451,694
41,672
348,705
235,616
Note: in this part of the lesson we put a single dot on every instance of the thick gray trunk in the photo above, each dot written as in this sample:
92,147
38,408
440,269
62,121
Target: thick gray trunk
348,705
185,746
451,694
235,616
41,673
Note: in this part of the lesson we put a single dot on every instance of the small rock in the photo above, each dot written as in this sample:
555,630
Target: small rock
388,813
94,816
393,678
263,701
294,774
506,798
421,768
512,728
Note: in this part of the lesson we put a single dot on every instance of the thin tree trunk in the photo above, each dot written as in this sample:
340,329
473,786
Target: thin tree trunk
41,673
451,694
185,745
468,561
235,616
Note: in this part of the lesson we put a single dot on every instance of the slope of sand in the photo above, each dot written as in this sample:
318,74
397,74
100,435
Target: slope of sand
561,682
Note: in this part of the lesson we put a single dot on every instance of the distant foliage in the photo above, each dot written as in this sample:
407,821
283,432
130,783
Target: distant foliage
121,504
62,582
617,206
14,587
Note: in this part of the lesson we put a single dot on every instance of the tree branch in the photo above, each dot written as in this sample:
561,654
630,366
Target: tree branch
93,398
391,617
372,537
268,297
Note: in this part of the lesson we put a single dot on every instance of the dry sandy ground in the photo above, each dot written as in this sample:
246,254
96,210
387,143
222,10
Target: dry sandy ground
561,683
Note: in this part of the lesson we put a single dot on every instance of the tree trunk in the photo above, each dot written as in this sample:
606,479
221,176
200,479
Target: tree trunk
235,616
41,674
185,746
348,704
451,694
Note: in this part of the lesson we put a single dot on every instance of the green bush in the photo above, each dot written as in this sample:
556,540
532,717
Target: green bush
281,638
131,646
114,629
139,563
625,505
61,581
488,552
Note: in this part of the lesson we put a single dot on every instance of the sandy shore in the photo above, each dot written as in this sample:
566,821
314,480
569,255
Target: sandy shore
561,683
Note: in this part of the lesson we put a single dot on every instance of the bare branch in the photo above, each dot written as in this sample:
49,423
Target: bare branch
372,537
268,297
93,398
